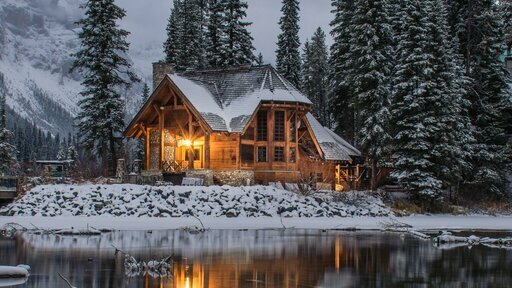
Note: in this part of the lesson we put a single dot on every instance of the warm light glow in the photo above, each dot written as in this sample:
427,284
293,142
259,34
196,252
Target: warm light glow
187,282
187,143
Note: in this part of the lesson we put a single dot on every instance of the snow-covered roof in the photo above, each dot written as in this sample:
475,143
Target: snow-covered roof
228,98
332,145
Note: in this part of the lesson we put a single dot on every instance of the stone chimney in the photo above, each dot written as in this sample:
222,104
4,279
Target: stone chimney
160,69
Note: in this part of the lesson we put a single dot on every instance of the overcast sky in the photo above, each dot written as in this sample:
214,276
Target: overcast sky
147,19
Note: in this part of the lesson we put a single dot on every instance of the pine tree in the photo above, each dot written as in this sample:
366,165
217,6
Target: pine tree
102,64
288,43
8,162
315,75
339,93
145,93
371,54
214,48
414,118
237,41
62,154
173,44
481,41
185,46
454,135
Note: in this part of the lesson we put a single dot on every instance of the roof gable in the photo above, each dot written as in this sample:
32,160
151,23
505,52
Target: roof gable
333,146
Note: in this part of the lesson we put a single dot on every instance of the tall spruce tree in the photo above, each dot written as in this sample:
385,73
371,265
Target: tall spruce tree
414,118
371,56
184,46
288,43
8,162
237,48
145,93
340,96
454,136
481,40
101,60
214,36
315,74
172,45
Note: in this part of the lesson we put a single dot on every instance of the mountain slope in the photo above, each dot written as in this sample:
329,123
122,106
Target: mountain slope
37,38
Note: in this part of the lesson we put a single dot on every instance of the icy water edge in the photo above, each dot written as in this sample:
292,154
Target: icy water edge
254,258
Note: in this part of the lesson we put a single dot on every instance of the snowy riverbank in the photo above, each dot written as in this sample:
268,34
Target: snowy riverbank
185,201
133,207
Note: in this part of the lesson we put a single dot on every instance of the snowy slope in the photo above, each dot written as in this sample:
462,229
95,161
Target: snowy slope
36,40
182,201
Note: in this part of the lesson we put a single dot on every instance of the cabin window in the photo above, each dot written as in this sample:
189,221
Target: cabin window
293,155
279,126
262,126
279,154
262,154
247,155
293,134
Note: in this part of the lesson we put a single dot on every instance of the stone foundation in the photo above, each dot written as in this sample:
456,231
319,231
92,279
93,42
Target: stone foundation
206,174
234,177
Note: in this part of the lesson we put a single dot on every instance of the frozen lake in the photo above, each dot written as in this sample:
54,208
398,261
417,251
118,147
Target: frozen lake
256,258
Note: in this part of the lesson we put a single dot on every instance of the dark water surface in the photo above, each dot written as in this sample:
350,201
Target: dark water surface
264,258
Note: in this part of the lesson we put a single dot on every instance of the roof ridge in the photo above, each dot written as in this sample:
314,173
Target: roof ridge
233,68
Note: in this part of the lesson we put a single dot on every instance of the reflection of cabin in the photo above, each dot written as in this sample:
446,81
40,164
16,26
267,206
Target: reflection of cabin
54,168
238,124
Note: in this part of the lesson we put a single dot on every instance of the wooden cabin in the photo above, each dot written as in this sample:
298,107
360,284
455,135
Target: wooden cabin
236,126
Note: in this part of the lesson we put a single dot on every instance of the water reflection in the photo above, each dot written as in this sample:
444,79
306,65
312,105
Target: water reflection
254,259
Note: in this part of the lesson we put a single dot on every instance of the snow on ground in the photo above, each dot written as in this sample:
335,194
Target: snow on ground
134,207
419,222
185,201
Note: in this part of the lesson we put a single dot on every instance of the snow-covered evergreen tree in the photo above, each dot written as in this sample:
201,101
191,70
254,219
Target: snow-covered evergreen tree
237,48
413,113
214,47
63,153
315,76
371,56
185,47
173,45
8,163
454,136
101,60
339,83
145,93
481,42
288,43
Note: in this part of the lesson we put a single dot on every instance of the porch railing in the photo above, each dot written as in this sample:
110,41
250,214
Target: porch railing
174,166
